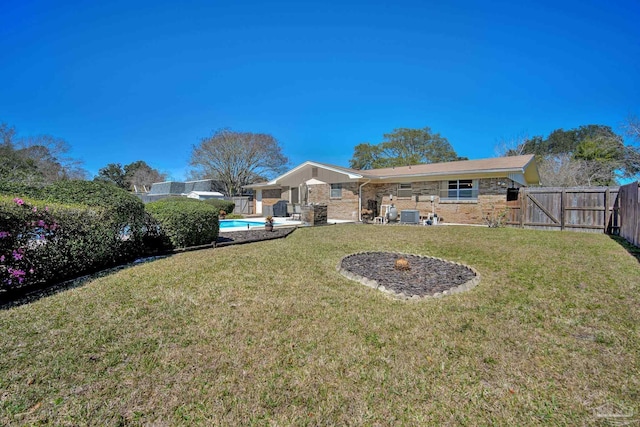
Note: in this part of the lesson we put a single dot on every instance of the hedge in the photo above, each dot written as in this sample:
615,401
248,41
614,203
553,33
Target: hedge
185,222
222,205
70,228
43,242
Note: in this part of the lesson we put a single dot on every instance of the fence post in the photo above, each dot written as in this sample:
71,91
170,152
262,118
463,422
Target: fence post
607,212
563,201
523,205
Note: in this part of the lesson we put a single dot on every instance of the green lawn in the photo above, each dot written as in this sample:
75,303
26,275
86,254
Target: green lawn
271,334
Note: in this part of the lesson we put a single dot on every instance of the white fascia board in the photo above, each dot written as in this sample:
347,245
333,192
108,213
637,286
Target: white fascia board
341,171
313,164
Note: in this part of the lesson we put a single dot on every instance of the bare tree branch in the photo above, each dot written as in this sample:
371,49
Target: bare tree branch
237,158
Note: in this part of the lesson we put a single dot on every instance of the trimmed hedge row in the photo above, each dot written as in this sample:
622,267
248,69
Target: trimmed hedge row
222,205
74,228
185,222
46,242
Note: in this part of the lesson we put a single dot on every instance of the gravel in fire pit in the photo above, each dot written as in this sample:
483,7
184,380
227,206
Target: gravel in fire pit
427,276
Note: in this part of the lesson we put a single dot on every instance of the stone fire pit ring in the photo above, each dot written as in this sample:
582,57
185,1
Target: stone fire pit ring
428,277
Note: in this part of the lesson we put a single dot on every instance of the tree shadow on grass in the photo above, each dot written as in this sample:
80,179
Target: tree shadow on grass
633,250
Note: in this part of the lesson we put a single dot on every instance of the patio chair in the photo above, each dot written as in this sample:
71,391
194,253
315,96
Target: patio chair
382,219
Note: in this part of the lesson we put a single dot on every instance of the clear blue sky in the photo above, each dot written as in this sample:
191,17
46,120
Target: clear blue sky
145,80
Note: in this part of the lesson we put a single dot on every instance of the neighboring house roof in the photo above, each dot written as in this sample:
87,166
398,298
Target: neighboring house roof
206,193
178,188
521,169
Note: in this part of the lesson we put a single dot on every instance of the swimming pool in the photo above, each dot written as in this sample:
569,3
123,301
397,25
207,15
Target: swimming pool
234,223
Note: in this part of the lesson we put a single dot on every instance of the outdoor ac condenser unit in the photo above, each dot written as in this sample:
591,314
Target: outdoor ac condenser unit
410,217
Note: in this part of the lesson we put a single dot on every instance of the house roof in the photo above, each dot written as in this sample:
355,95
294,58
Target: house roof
496,164
519,168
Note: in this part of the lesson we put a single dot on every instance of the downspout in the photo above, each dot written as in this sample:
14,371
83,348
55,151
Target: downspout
360,199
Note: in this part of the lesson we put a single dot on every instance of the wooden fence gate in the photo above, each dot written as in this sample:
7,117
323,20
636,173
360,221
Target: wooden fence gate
244,205
591,209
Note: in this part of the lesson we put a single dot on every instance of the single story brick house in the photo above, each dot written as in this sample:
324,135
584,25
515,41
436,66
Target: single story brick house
458,192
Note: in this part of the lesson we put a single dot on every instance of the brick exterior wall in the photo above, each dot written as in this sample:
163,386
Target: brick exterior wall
344,207
492,193
271,196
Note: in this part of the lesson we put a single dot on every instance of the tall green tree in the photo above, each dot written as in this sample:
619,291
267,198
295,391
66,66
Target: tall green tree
114,174
237,158
137,175
588,155
404,147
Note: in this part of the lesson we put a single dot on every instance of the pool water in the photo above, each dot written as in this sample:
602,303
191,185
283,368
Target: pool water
230,223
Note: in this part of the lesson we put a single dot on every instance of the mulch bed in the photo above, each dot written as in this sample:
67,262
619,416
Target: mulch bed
426,276
250,236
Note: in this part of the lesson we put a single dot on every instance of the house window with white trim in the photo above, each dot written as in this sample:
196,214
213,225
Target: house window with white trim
404,190
336,191
462,189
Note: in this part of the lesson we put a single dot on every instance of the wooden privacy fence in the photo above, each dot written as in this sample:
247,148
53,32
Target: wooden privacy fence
244,205
591,209
629,205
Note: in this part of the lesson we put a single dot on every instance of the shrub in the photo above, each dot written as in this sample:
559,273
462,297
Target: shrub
223,205
122,212
67,229
47,242
234,216
185,222
34,191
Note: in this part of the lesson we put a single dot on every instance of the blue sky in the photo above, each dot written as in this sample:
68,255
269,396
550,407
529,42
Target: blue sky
122,81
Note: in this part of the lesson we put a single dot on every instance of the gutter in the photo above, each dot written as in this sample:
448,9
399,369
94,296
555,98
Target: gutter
360,199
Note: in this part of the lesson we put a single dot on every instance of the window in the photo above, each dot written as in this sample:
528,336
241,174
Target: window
404,190
462,189
336,191
294,195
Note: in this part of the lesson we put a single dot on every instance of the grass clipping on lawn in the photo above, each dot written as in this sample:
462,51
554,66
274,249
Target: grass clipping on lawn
271,334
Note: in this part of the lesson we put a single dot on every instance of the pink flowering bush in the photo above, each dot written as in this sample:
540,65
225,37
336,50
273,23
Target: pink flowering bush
49,243
22,227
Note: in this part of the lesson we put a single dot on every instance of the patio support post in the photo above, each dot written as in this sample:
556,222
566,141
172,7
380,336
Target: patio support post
360,199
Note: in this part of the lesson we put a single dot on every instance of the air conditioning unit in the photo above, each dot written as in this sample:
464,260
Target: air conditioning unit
410,217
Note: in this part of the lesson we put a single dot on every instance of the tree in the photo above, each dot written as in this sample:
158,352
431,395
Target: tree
507,147
36,159
632,127
588,155
114,174
13,167
404,147
632,154
135,176
139,175
237,158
